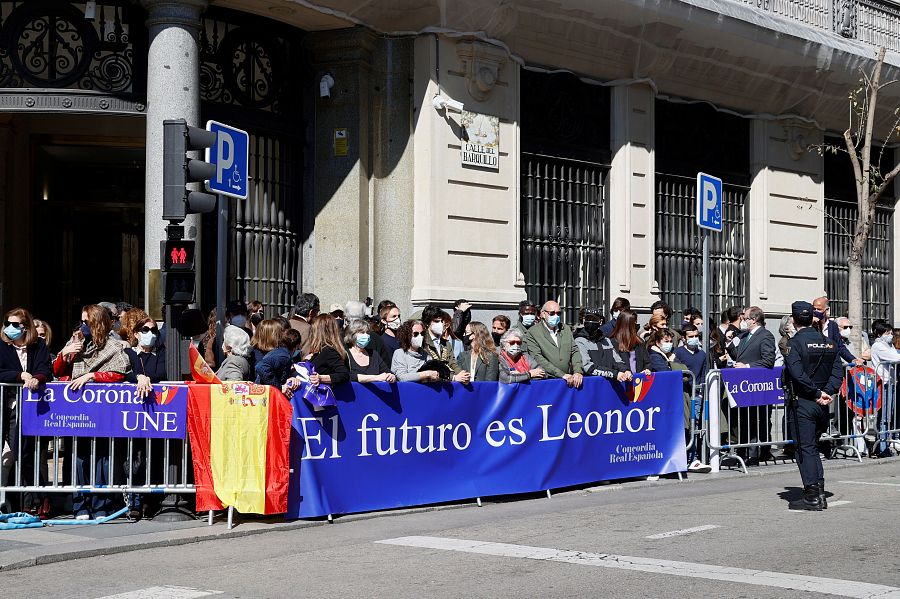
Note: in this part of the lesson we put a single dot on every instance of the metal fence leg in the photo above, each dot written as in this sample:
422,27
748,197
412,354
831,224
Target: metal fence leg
209,521
230,517
478,499
714,437
548,494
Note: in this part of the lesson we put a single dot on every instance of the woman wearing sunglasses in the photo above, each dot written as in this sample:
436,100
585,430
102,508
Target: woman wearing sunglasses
411,357
25,360
147,358
517,366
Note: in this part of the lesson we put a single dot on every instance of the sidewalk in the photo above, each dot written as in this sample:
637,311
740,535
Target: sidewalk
35,546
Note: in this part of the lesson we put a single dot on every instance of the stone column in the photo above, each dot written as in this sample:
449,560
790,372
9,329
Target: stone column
173,92
632,245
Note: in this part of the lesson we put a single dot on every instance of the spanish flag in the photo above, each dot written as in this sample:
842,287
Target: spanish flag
240,443
200,370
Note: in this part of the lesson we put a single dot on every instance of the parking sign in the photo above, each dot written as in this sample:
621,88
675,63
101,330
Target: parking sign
231,157
709,202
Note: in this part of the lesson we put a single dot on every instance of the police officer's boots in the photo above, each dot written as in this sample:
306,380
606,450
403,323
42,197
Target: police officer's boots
809,501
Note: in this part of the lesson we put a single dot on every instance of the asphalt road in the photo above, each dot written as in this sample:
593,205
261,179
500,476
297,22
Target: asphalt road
732,537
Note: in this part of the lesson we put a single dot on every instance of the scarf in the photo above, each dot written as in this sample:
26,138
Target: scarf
109,358
519,364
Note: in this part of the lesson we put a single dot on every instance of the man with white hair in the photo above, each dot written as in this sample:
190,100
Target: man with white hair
845,328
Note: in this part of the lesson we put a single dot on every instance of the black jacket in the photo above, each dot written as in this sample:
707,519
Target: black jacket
152,365
329,362
609,361
38,363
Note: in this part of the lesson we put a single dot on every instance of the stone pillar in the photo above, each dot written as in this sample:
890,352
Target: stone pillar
787,216
632,247
173,92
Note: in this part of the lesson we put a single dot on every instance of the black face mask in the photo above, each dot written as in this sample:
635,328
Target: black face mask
467,341
592,328
496,337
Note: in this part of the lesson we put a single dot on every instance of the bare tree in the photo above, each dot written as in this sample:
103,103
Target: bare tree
870,181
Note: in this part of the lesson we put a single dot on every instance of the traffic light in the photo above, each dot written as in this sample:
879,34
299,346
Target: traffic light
179,278
179,170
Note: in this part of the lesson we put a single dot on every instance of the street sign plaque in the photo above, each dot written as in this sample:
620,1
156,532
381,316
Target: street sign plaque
231,157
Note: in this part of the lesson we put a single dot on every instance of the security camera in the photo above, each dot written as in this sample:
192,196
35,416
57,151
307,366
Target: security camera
325,85
441,103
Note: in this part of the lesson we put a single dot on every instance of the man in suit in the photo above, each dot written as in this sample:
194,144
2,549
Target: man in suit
755,349
553,346
830,329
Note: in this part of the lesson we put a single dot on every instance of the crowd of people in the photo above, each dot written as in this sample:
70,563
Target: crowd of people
355,342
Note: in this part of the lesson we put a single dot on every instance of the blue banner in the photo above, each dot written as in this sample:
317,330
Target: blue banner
746,387
386,446
105,410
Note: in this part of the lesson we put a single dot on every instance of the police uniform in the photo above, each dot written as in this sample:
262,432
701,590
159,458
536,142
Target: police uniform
812,366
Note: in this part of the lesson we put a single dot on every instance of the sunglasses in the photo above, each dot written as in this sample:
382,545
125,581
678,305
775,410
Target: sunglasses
417,334
514,343
18,325
847,327
552,313
146,329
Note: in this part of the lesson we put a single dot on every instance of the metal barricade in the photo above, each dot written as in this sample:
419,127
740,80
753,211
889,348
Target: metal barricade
730,431
87,464
888,420
694,443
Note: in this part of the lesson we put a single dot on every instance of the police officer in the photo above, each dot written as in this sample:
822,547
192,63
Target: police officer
813,374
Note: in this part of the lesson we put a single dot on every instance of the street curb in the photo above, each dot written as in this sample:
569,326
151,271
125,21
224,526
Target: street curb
108,546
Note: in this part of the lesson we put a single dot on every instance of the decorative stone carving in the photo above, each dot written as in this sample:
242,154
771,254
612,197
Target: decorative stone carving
481,65
797,139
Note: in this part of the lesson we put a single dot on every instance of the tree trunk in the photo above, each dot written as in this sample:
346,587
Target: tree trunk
855,303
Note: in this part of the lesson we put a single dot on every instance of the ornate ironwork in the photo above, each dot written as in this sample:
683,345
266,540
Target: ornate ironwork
244,65
50,44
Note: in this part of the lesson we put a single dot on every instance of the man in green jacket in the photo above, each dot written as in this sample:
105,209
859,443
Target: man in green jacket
553,346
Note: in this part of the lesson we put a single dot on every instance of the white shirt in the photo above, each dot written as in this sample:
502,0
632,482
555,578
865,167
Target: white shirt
22,352
883,355
554,334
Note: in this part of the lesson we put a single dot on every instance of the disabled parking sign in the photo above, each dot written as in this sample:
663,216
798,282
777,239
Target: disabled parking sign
709,202
231,157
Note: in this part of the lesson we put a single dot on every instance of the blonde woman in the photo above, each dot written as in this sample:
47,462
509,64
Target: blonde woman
481,360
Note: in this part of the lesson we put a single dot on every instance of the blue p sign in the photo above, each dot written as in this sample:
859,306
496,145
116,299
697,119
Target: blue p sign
709,202
230,156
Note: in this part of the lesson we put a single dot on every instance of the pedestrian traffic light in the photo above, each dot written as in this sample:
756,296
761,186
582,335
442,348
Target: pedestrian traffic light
179,170
179,279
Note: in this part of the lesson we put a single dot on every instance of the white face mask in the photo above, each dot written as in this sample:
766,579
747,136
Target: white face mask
615,315
845,333
745,324
514,350
416,341
147,339
437,328
888,338
394,324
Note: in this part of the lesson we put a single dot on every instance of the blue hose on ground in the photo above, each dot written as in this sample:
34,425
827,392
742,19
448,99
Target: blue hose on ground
113,516
19,520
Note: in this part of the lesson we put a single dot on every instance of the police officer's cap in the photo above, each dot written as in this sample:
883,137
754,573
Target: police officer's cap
801,309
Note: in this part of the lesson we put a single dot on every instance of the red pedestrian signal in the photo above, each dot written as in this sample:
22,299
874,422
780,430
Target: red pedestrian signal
178,255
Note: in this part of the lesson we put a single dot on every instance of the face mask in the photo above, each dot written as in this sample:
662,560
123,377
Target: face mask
416,342
819,314
13,333
85,331
339,322
615,315
845,333
437,329
591,328
553,321
666,347
496,337
394,324
693,342
239,321
514,350
745,325
888,338
736,341
467,340
699,328
147,340
362,340
528,319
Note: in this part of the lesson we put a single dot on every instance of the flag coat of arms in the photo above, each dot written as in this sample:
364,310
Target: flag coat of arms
240,443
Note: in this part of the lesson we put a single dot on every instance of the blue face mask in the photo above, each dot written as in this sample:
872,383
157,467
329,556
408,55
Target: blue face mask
553,321
239,321
528,319
85,331
693,342
666,347
362,340
13,333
